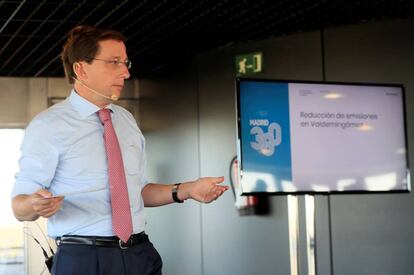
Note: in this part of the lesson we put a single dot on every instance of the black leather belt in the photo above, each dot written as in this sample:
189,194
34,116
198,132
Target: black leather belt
103,241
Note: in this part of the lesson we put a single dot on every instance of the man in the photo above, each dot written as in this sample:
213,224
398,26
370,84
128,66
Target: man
93,151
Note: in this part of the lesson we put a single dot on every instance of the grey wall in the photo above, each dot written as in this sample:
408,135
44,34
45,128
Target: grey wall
372,234
170,124
189,121
13,101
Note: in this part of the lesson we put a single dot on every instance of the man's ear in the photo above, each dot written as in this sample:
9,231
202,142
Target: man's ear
79,71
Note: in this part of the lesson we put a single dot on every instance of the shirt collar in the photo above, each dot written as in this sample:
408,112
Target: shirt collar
84,107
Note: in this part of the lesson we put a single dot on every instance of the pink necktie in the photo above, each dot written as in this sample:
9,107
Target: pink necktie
121,211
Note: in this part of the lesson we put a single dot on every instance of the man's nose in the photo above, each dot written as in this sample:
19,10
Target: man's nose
125,72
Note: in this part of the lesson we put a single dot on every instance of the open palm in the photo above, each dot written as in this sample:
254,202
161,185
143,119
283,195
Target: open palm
207,189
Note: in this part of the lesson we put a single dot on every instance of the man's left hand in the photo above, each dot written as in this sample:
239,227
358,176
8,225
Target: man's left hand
203,190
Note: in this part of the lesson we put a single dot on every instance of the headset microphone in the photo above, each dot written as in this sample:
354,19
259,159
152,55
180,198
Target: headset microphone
112,97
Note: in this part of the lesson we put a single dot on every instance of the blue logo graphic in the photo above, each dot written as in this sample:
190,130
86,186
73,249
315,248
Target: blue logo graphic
265,143
265,136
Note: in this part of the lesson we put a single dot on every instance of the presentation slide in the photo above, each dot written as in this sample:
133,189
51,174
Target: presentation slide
310,137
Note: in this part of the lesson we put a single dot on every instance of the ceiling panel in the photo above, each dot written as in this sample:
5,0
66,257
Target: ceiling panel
165,32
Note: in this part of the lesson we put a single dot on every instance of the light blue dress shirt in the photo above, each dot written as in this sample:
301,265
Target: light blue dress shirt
63,151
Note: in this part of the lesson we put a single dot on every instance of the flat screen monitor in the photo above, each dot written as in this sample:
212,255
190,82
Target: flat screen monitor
321,137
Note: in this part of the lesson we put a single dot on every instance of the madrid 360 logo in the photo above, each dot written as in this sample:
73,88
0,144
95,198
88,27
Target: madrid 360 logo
265,142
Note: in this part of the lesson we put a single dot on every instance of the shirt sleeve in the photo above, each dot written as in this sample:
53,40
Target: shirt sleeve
38,161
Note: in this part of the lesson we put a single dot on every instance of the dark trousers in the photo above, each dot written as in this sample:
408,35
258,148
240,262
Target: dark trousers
141,259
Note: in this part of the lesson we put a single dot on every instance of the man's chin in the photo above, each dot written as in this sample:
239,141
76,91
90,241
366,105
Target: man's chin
117,91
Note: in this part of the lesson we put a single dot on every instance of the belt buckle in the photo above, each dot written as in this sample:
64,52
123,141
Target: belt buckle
124,245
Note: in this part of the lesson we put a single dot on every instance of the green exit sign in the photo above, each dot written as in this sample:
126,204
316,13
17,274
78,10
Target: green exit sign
249,63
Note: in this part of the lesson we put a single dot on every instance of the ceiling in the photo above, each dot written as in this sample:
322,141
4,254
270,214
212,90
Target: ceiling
164,32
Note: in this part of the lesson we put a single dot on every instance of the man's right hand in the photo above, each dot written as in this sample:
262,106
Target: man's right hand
44,205
39,204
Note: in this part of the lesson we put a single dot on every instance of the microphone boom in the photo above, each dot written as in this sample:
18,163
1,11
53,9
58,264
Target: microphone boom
112,97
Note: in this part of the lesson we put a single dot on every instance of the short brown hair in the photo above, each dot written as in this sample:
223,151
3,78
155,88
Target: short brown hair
82,45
